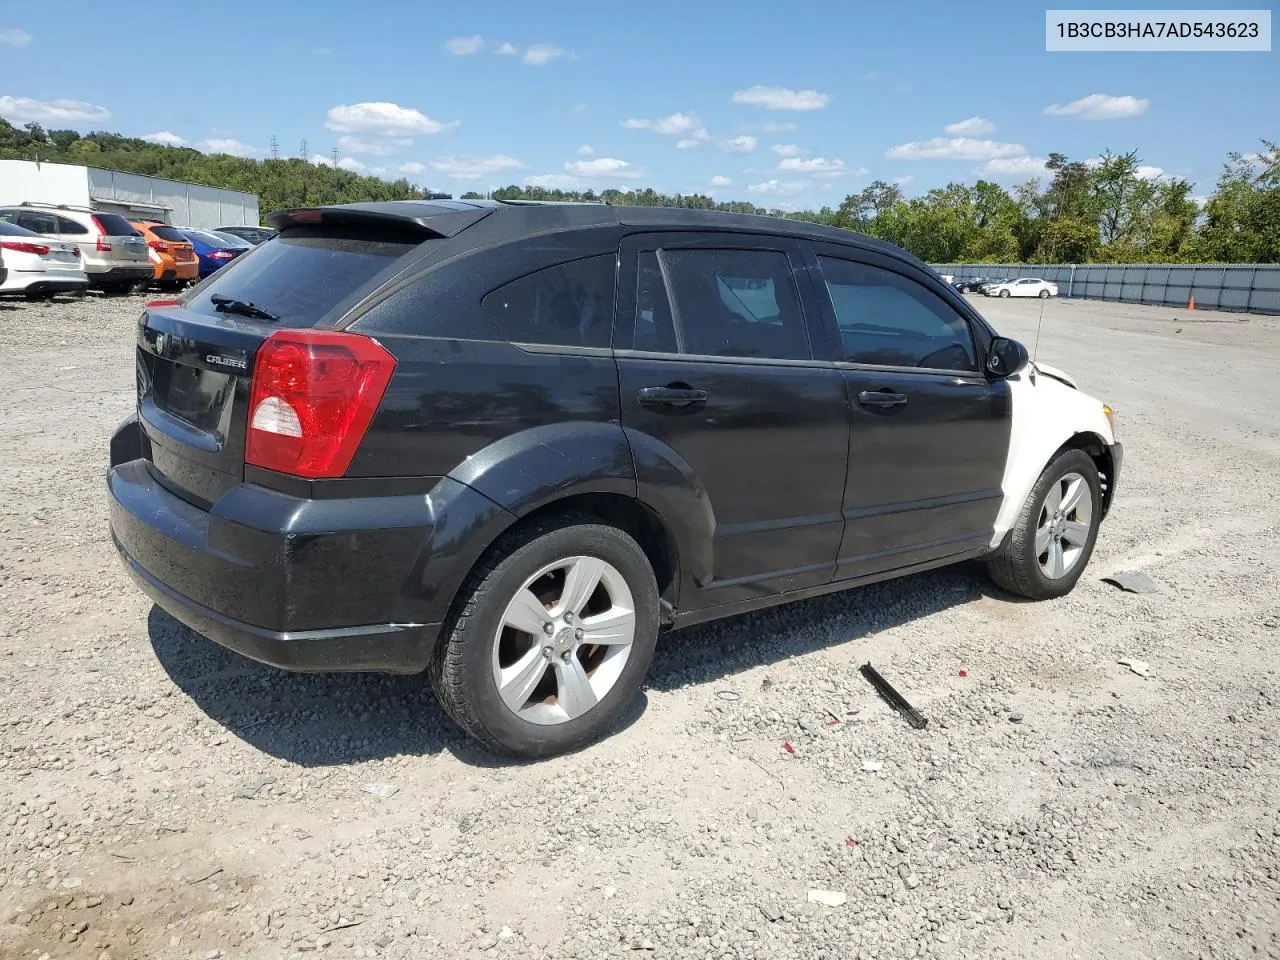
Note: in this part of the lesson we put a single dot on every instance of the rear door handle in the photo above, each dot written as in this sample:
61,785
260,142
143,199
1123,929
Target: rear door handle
671,396
881,398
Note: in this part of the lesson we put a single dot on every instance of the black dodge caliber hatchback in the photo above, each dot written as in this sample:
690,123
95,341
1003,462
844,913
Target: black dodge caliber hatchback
507,443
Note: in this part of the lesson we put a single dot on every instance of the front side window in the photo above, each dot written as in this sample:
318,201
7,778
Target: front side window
736,303
888,320
568,305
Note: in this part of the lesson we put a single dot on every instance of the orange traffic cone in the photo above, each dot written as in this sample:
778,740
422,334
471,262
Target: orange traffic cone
1191,304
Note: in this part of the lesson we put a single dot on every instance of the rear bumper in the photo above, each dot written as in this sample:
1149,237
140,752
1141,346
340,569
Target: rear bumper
119,274
35,284
314,585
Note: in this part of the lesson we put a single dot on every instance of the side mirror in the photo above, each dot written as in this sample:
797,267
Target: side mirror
1006,357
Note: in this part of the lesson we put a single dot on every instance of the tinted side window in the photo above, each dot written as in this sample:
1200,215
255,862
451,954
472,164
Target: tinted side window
736,303
39,222
655,330
68,227
889,320
568,305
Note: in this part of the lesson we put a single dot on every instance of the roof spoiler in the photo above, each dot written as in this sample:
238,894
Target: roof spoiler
427,219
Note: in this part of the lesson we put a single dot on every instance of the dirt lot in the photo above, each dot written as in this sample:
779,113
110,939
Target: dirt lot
162,798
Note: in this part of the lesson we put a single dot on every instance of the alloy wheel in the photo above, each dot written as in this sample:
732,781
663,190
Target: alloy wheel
564,640
1062,533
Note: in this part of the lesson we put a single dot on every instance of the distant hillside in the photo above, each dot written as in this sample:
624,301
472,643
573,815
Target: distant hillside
277,183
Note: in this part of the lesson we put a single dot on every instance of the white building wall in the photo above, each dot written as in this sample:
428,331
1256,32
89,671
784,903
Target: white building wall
45,182
183,204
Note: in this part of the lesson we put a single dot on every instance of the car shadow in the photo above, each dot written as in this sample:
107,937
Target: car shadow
332,719
317,719
722,648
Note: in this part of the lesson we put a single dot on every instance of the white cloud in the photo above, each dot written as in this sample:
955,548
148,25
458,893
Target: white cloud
377,147
956,148
1013,167
1099,106
1199,201
819,167
166,138
474,168
903,181
26,110
352,164
586,150
556,181
721,182
973,127
506,50
15,37
742,144
385,119
782,188
780,98
464,46
230,146
669,126
541,53
786,150
412,167
320,160
603,167
698,137
320,51
1149,173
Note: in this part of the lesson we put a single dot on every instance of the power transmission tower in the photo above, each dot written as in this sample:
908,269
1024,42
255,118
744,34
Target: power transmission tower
336,156
275,147
304,149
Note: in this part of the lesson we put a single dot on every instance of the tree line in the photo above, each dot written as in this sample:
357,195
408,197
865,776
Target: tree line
1109,210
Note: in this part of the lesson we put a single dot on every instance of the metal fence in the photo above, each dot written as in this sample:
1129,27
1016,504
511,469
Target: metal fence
1245,288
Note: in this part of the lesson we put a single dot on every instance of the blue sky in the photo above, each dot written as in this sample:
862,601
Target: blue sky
792,106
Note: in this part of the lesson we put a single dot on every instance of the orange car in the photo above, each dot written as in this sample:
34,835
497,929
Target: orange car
173,258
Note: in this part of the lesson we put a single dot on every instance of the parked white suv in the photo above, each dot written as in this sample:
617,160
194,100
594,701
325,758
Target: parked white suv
112,253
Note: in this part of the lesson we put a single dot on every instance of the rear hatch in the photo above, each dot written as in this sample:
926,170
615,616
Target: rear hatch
171,240
119,241
195,360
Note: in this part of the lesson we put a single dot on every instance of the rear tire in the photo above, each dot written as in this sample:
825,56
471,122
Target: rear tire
1044,554
1004,293
1044,294
546,690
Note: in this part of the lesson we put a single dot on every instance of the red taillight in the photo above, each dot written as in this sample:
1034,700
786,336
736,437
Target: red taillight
314,394
158,245
39,249
221,255
168,302
104,244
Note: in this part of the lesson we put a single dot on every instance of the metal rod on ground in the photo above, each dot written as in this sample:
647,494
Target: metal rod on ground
893,697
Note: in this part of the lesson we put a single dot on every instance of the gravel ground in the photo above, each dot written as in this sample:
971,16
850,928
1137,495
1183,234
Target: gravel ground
162,798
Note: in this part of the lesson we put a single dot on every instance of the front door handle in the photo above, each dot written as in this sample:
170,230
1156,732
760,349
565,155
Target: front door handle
881,398
671,396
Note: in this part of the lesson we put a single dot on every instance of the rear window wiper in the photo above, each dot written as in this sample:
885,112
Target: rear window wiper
242,307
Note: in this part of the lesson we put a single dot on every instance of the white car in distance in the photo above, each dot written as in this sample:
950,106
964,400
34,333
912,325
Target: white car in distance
36,266
1023,287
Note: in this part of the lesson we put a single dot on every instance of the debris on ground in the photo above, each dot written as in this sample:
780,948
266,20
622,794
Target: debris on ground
872,766
383,790
893,697
251,789
1140,667
828,898
1132,581
730,695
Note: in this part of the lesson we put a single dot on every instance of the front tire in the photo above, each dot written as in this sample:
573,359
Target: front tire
550,640
1051,542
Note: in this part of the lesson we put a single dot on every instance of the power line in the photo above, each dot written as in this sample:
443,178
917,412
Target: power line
304,149
275,147
336,156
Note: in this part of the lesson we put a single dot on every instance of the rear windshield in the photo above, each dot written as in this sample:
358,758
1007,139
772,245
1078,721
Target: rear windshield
303,274
8,229
169,233
114,225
